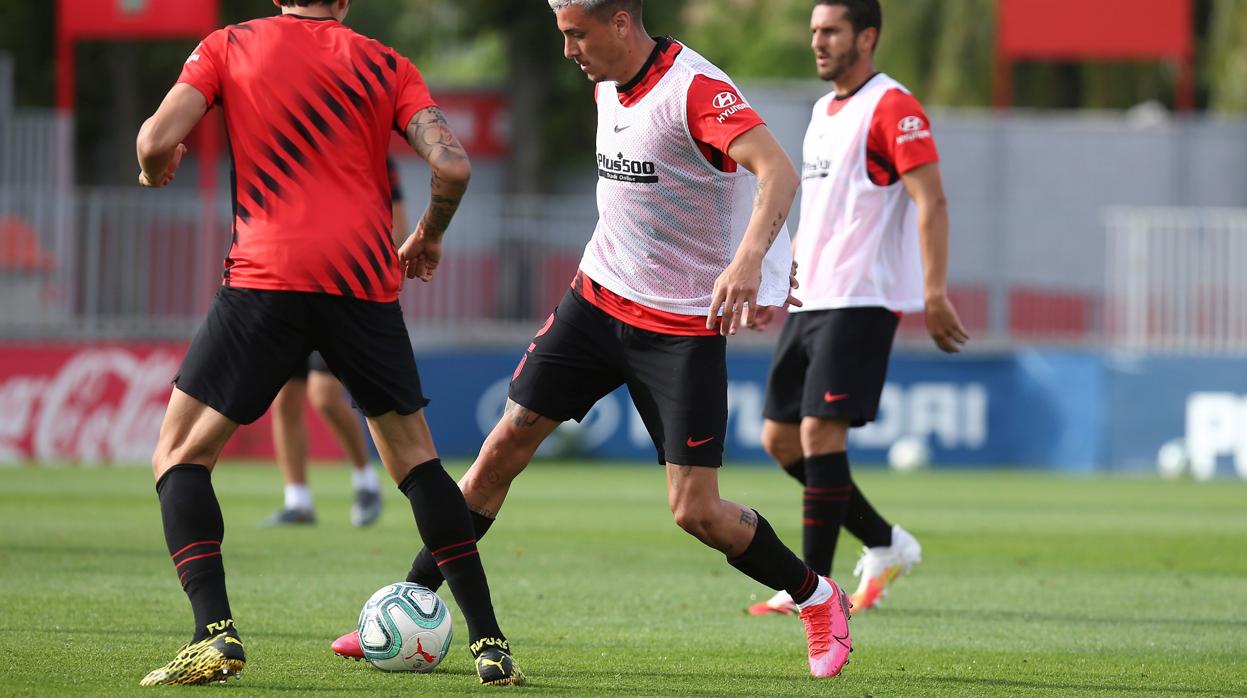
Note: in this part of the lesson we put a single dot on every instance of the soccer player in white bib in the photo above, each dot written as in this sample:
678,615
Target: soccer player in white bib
872,245
693,190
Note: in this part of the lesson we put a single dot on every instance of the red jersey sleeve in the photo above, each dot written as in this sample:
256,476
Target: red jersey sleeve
900,133
717,114
411,95
205,66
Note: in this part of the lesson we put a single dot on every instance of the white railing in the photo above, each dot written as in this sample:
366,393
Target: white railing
1177,280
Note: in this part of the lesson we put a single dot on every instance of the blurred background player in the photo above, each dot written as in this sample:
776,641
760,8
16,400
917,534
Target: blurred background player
309,109
683,232
872,244
317,384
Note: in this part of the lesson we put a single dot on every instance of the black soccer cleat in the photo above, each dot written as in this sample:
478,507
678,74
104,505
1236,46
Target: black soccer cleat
494,663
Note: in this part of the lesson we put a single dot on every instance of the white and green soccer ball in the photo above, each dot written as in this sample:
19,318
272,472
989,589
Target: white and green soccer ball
909,453
405,627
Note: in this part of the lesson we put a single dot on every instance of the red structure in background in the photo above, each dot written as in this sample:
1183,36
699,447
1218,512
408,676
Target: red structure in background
1095,30
128,20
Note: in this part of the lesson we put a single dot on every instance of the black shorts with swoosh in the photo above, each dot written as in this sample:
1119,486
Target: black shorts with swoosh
678,384
831,364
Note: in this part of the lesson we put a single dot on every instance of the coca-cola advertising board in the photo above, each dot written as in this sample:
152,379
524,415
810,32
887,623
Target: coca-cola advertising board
103,403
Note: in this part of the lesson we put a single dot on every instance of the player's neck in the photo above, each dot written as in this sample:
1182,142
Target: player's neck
854,78
639,50
312,11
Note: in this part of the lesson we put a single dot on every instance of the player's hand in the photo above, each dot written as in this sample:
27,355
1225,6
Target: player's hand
420,255
167,176
766,314
944,325
736,294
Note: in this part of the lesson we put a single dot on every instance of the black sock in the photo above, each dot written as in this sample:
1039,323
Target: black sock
444,524
193,532
796,470
424,569
825,504
768,562
863,521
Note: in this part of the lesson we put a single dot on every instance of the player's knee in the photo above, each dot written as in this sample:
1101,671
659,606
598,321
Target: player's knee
694,519
510,439
823,435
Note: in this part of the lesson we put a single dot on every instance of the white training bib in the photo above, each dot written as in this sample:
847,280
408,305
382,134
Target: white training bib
857,243
669,222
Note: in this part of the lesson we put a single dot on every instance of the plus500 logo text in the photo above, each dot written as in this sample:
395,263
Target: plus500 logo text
621,169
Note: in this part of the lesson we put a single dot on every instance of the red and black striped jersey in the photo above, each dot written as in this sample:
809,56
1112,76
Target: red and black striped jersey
309,109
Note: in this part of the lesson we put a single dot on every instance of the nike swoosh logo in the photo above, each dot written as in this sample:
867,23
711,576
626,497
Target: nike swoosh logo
829,398
619,129
694,444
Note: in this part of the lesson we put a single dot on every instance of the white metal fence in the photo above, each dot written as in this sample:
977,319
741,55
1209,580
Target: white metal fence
1177,280
97,263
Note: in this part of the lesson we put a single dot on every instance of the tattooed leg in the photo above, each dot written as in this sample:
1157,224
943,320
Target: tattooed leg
693,495
504,455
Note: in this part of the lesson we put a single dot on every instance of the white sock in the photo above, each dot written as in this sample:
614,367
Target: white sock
365,479
821,594
299,497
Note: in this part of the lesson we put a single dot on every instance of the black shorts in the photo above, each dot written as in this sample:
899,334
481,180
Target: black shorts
832,364
315,362
678,384
253,341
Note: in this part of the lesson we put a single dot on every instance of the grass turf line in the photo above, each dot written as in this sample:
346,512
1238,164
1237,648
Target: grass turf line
1033,584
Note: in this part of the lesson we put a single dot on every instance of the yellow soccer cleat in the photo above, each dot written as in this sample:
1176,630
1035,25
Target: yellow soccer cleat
212,659
494,663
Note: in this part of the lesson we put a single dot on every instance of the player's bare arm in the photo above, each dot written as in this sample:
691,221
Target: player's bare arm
927,190
430,136
159,143
736,289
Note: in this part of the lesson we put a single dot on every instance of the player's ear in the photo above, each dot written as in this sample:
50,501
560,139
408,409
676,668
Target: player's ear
868,40
622,22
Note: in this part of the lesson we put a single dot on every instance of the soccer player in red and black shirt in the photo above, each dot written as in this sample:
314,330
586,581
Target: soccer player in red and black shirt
309,106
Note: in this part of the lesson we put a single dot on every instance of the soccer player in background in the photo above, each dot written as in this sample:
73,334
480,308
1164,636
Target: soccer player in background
309,106
693,190
872,244
314,382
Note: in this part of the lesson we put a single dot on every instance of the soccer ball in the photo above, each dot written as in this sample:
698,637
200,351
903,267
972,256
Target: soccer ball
908,453
405,627
1172,460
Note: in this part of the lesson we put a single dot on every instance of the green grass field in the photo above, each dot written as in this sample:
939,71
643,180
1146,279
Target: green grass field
1032,585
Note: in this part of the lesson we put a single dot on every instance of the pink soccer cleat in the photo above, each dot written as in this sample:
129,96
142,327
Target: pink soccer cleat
348,646
827,632
779,604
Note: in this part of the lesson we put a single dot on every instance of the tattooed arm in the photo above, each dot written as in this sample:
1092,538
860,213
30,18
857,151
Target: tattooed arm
159,143
736,290
431,137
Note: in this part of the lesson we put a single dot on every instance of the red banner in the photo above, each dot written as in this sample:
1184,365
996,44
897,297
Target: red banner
1096,29
104,404
132,19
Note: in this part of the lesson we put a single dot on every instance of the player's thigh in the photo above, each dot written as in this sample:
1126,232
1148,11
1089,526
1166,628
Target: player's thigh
849,351
249,345
785,382
190,433
573,362
679,387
